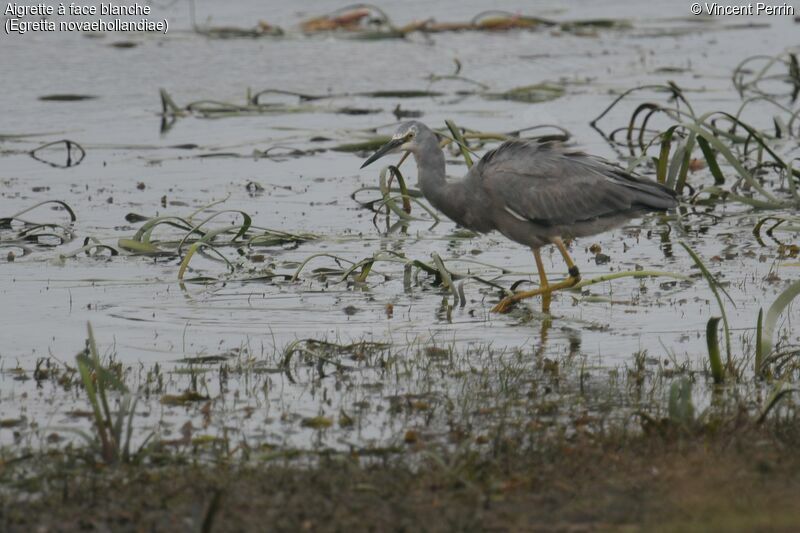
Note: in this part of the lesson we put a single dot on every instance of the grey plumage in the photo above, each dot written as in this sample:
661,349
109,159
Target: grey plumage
533,193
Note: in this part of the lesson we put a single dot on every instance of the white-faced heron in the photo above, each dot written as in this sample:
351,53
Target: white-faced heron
533,193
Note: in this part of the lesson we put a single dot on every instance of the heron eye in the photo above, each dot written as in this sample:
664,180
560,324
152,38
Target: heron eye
409,135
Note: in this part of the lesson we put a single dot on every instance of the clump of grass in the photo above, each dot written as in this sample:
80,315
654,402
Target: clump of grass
717,369
720,137
112,430
714,359
199,237
767,357
21,233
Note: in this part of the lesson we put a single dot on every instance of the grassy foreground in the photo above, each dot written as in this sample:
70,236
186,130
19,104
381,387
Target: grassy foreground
741,477
523,443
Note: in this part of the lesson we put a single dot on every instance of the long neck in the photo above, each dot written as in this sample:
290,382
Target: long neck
431,174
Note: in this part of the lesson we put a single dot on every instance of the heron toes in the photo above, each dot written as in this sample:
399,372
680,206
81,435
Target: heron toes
506,304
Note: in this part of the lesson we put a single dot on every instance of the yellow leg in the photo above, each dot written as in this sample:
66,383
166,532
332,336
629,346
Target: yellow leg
543,283
573,270
546,289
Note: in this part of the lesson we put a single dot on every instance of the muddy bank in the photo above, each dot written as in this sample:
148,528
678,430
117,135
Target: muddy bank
738,477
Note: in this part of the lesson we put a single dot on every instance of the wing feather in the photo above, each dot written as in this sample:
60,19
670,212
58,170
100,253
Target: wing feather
549,185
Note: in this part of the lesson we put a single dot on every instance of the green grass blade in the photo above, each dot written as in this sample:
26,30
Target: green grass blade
94,355
308,259
714,360
72,216
771,318
663,156
403,188
715,289
208,236
733,160
778,394
196,247
388,199
685,162
711,159
681,409
459,138
759,348
88,384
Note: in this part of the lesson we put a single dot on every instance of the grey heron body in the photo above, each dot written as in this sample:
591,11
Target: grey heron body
532,193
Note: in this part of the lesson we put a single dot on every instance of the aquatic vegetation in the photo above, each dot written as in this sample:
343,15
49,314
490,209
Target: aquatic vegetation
768,358
783,224
200,237
781,72
245,358
257,102
113,430
73,154
17,233
753,154
711,331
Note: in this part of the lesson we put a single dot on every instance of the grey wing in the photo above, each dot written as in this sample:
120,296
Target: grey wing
546,184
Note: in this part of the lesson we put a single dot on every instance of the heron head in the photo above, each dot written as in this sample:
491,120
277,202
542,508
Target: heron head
404,139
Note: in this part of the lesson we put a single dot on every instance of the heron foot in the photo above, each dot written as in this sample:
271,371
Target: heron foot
506,304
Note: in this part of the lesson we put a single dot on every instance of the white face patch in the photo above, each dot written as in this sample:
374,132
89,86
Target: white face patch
402,134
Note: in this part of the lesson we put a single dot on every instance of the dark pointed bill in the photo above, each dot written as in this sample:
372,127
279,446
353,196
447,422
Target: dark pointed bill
383,150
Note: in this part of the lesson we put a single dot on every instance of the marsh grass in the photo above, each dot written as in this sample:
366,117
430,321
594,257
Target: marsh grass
418,431
275,101
473,417
112,430
201,237
423,388
27,235
768,355
716,289
177,236
725,141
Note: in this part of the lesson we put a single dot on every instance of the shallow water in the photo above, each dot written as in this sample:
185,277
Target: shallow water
141,313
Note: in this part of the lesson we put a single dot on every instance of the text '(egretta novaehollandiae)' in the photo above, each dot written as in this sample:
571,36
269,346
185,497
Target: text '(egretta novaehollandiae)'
533,193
